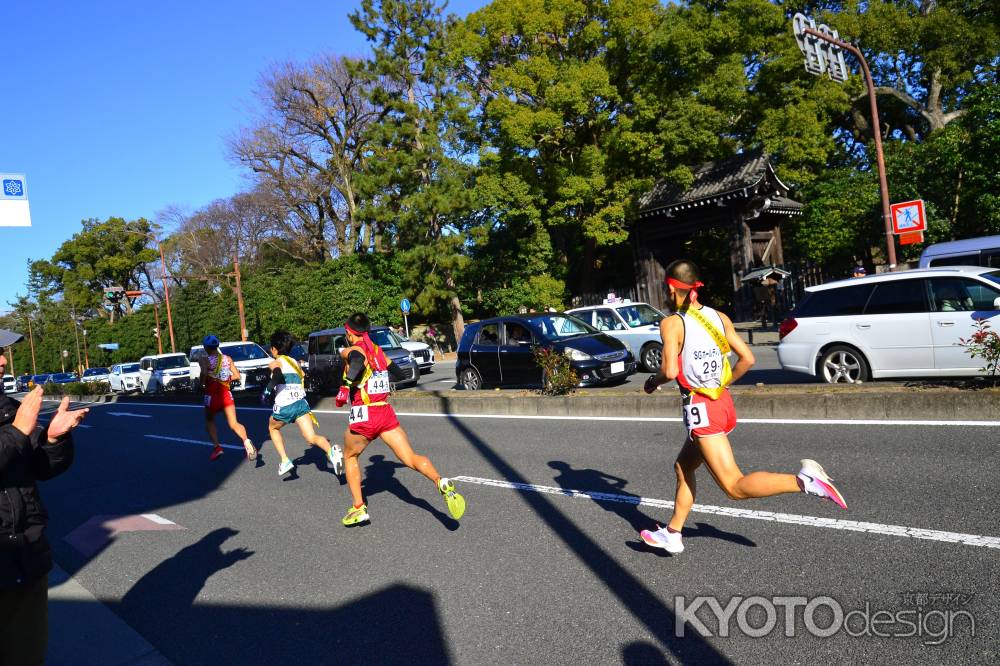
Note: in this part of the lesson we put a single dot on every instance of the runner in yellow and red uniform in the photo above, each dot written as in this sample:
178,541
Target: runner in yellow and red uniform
366,387
217,371
697,341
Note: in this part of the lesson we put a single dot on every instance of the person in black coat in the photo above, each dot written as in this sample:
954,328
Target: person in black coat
28,453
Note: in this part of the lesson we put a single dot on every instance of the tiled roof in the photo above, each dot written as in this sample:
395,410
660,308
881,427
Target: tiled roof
710,179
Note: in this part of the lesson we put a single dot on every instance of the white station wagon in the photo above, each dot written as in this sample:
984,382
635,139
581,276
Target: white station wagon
904,324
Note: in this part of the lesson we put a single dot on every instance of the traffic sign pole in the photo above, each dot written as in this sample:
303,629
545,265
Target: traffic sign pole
404,306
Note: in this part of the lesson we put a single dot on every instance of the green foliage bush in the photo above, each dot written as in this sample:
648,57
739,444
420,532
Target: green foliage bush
77,388
559,376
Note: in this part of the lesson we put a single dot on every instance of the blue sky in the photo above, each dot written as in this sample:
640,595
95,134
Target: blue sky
124,108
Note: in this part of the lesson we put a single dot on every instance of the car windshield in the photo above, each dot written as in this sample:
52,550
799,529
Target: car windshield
384,339
561,326
992,276
249,351
63,376
298,352
90,372
170,362
131,367
640,315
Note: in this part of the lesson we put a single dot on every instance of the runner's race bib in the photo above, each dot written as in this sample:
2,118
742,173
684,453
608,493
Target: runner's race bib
358,414
696,416
288,394
378,383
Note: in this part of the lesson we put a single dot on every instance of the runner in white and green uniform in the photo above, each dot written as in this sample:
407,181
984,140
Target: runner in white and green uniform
290,406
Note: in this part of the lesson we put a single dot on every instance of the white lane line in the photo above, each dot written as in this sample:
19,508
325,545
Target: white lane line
138,416
789,518
194,441
158,519
633,419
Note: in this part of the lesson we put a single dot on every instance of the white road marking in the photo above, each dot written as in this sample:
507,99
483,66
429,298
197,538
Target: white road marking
632,419
138,416
194,441
156,518
732,512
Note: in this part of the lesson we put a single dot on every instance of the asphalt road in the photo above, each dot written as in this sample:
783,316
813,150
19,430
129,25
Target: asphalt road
262,571
767,370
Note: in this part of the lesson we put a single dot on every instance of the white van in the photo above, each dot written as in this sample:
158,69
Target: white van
164,372
9,384
982,251
248,357
903,324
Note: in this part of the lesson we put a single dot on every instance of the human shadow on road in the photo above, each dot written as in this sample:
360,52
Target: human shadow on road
173,585
658,618
380,476
641,653
596,481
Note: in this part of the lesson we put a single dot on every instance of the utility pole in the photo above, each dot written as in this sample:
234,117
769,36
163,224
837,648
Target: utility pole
156,314
76,335
31,341
239,298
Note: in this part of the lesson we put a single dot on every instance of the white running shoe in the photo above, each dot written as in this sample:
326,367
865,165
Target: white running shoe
285,467
336,459
663,538
815,481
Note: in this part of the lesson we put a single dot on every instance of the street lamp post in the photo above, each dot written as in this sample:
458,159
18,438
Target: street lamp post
163,278
76,336
239,299
86,354
815,64
31,341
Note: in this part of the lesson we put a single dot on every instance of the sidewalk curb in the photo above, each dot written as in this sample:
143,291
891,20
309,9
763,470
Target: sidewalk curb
84,631
778,402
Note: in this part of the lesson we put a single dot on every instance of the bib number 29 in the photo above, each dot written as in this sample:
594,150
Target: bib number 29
696,416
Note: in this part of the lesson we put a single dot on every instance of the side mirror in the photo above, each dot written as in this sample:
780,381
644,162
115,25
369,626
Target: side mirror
996,303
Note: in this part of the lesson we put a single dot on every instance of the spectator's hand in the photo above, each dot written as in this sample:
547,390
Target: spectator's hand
343,395
65,420
650,384
27,413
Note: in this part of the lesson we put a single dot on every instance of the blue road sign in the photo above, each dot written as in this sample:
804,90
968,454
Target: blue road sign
110,346
404,305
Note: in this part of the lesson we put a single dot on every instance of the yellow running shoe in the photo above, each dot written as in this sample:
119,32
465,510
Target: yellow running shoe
356,516
456,503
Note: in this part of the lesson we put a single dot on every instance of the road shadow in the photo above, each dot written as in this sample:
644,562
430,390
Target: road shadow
380,476
641,653
633,596
595,481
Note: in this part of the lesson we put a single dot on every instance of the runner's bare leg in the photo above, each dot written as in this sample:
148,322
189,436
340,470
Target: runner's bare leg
718,456
354,444
273,429
688,460
400,445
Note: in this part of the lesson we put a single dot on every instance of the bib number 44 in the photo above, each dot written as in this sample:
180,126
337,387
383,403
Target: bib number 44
358,414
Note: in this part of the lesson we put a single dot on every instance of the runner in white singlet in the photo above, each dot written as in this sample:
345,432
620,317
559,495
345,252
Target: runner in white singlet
697,341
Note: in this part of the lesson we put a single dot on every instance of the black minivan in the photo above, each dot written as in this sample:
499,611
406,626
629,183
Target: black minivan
326,367
498,352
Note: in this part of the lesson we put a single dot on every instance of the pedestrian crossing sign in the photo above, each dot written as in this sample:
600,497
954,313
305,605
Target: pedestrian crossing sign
908,217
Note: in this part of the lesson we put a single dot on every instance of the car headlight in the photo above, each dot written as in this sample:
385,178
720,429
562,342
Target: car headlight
577,355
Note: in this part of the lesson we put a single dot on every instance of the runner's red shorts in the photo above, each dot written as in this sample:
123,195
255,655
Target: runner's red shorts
381,418
217,398
704,416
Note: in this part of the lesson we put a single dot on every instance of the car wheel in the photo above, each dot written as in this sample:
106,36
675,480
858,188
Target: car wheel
651,356
843,364
471,380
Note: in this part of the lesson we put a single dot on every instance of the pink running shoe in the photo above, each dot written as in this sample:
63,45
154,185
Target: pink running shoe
816,482
216,453
663,538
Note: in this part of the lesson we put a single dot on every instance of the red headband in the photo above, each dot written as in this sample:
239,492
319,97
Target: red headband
352,331
677,284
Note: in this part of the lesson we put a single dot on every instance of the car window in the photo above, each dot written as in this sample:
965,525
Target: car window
836,302
983,295
990,258
952,295
321,344
897,297
384,339
172,362
959,260
605,320
131,367
248,351
516,334
489,335
640,315
340,342
561,326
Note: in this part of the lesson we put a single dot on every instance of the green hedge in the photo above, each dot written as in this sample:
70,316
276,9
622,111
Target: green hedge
77,388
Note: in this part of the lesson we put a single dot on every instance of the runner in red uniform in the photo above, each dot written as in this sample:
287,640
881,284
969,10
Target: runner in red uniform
217,371
697,341
366,387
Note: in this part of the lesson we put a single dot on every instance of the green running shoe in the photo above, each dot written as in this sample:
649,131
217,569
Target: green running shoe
456,503
356,516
